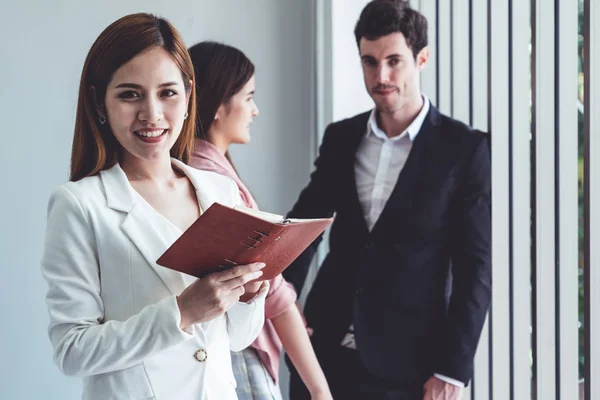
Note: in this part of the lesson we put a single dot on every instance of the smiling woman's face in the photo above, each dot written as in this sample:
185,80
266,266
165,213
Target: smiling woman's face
145,105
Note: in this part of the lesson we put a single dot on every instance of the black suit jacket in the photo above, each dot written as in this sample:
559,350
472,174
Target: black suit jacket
417,286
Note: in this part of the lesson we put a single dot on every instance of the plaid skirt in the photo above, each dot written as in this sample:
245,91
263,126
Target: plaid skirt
253,379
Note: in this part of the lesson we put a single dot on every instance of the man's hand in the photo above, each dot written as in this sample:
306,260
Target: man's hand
437,389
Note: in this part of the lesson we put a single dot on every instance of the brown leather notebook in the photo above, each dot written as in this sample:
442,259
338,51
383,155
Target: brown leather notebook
224,237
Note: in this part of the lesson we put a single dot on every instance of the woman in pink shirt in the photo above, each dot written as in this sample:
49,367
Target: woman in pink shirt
225,109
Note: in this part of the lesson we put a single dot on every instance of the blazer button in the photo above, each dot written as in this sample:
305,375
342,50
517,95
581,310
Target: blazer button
369,245
200,355
359,291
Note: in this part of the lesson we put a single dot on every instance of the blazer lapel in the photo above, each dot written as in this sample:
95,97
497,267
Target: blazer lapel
136,225
207,195
412,168
355,206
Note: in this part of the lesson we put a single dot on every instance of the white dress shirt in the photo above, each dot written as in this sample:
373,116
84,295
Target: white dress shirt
379,161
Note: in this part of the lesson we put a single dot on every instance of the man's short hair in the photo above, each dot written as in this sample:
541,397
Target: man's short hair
383,17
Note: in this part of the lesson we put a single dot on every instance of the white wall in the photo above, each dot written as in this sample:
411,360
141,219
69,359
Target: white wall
42,52
350,96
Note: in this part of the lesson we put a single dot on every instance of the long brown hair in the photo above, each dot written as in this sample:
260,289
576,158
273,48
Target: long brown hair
94,145
221,71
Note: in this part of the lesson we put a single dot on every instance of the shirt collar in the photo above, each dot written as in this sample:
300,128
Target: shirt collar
413,129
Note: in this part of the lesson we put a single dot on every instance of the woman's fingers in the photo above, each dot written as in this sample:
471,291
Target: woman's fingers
237,271
241,280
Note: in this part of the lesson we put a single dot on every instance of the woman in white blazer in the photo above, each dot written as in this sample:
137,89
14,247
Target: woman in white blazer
129,327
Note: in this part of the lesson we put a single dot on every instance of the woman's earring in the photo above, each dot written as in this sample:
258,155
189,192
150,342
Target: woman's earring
102,119
186,115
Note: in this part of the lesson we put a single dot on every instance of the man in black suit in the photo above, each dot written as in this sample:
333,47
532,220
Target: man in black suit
398,305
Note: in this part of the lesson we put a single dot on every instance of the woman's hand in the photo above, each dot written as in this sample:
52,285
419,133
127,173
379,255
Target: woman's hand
213,295
250,290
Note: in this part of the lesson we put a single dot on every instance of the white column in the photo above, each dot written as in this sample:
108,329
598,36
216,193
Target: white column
544,137
479,77
444,49
521,199
567,169
461,95
499,127
429,74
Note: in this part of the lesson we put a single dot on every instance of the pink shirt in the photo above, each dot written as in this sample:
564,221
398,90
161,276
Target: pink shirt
281,294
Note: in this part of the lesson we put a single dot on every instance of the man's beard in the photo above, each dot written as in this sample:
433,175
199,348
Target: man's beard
390,107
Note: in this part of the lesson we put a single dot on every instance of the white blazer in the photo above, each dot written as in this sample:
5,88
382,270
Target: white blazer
114,318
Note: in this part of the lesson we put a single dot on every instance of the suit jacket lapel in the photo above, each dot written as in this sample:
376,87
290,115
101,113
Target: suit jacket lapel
355,207
136,225
413,167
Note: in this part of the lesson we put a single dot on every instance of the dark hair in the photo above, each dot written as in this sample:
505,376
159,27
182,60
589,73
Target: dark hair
94,146
221,71
383,17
